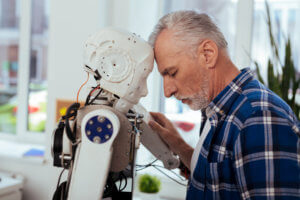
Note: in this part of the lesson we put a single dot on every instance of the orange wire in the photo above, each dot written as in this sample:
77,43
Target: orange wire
82,86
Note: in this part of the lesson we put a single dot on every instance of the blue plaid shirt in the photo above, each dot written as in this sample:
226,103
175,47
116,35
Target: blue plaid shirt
252,150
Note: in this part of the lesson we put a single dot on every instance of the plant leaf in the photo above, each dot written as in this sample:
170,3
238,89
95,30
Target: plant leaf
273,83
258,73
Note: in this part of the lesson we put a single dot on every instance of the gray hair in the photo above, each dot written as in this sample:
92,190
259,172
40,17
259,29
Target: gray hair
191,27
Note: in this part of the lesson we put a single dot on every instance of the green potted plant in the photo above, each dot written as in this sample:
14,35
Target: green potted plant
149,186
284,83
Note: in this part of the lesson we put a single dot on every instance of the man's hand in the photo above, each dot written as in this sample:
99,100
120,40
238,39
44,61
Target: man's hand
171,137
166,130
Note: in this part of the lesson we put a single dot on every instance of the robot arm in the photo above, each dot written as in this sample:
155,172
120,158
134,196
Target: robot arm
153,142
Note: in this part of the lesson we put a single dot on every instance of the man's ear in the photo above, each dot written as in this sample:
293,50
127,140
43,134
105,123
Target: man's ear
208,53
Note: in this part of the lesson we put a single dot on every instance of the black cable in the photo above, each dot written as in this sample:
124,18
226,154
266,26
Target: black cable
68,116
87,100
125,182
89,96
72,109
147,165
169,176
96,96
98,76
58,182
142,167
110,187
121,178
180,177
88,67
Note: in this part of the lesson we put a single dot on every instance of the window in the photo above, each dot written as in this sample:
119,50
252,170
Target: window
285,16
23,82
37,88
9,62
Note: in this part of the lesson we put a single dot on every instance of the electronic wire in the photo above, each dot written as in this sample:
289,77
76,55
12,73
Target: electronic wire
96,96
87,101
122,175
88,76
169,176
58,182
145,166
157,167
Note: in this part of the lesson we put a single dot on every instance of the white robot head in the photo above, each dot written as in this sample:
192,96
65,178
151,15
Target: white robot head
124,62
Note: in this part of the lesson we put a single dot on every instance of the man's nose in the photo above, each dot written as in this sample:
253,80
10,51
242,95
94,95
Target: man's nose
169,88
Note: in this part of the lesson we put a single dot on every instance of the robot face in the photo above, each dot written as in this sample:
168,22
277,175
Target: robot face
123,60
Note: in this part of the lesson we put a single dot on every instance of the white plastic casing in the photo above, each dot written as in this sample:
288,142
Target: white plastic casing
154,143
92,161
124,62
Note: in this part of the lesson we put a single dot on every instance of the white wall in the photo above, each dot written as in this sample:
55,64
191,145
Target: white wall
242,54
140,17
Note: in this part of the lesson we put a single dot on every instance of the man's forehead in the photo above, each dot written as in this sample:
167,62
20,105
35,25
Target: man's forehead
164,42
165,50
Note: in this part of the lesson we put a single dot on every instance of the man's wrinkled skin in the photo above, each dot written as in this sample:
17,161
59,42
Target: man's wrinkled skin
194,77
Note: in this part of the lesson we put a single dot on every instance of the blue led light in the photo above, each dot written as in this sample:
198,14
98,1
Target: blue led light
99,129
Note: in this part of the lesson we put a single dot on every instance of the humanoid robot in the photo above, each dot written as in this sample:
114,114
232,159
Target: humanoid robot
97,142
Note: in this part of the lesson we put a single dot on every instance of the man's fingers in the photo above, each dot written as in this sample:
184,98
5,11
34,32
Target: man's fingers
160,118
157,118
154,125
157,128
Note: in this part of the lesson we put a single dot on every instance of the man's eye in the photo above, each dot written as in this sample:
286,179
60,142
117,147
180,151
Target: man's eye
173,74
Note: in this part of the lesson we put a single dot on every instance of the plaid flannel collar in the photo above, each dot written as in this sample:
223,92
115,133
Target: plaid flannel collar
222,103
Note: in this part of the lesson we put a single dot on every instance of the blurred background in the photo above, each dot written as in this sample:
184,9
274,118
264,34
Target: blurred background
41,45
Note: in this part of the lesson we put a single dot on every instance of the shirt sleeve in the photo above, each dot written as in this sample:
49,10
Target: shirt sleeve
267,157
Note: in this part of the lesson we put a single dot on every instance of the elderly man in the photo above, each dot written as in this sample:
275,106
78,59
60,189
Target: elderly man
249,142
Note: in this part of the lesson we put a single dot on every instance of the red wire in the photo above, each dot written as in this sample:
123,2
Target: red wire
98,87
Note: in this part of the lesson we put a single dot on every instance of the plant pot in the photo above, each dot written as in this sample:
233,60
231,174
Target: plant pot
149,196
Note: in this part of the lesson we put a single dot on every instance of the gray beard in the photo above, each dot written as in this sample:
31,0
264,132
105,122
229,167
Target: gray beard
200,100
198,103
